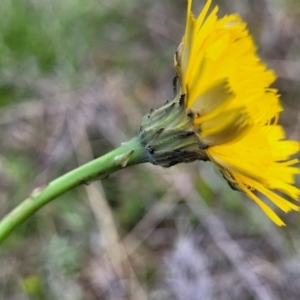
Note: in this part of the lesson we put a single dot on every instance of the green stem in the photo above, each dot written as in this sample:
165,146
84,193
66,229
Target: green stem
127,154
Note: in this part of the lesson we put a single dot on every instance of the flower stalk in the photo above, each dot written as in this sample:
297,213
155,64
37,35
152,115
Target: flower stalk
166,137
128,154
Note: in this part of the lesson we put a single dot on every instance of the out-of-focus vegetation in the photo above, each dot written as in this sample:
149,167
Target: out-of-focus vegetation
75,79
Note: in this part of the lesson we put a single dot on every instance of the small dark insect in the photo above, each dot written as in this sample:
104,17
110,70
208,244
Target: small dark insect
181,100
150,149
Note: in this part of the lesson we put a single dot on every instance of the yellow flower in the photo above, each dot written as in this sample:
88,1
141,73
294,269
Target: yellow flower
227,89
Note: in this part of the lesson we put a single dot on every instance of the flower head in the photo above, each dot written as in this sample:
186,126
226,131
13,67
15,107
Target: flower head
227,88
225,111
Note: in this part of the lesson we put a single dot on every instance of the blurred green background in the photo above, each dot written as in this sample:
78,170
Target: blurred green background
76,77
